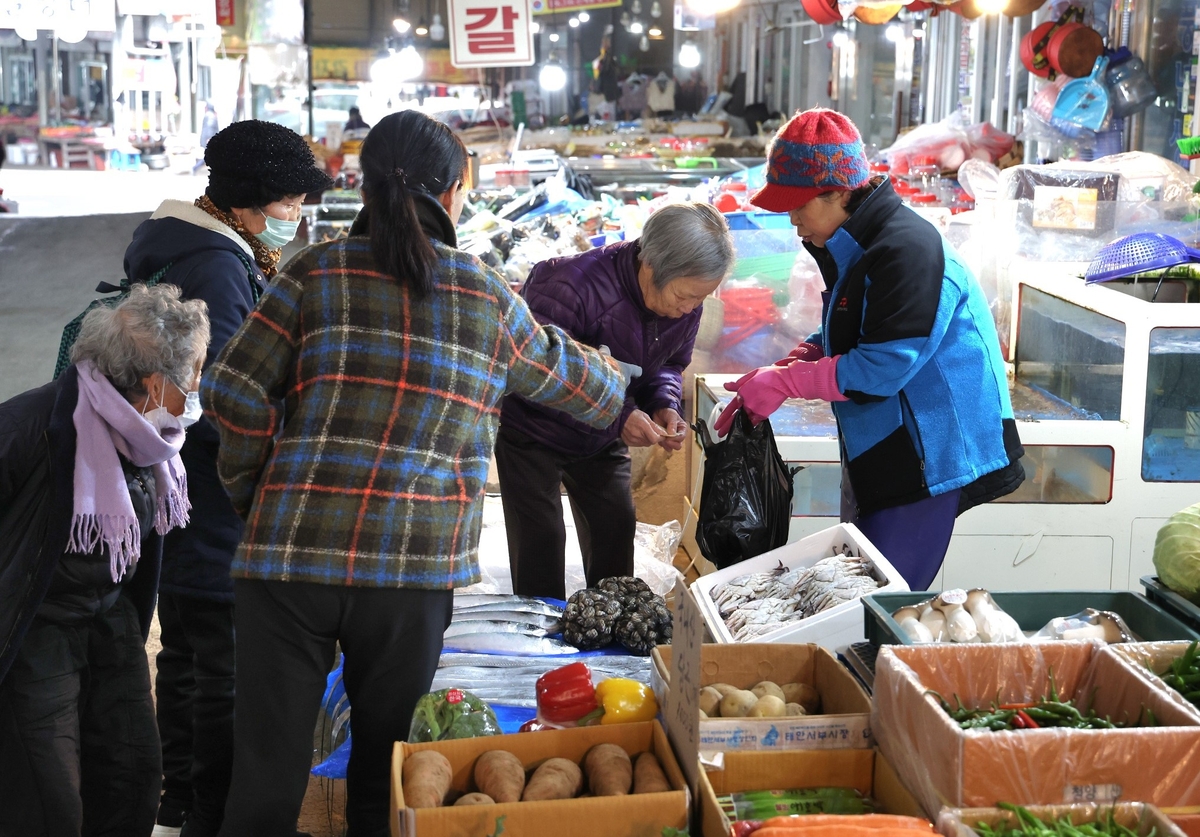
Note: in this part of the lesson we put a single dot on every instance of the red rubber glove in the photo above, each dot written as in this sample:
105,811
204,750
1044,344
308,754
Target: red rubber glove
804,351
762,390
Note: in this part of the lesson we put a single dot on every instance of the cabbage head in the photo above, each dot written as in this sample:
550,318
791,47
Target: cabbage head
1177,552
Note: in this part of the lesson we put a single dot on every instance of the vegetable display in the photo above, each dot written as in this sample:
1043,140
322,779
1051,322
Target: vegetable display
500,777
566,698
449,714
764,700
834,825
958,616
1029,825
1046,712
1184,675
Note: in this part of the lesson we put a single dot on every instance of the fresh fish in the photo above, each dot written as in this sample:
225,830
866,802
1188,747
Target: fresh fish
549,622
474,600
493,627
513,644
535,606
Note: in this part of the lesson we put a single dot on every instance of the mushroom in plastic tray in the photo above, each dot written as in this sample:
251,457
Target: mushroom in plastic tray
1089,623
973,616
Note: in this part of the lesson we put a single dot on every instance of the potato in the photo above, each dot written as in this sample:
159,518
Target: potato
475,799
803,694
768,706
737,703
426,778
703,714
555,779
794,709
648,776
766,687
500,775
609,770
710,701
723,688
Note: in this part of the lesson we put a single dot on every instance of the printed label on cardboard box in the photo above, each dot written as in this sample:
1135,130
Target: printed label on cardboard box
785,734
1091,793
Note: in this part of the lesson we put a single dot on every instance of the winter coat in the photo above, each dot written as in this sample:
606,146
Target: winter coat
929,410
209,262
37,471
595,297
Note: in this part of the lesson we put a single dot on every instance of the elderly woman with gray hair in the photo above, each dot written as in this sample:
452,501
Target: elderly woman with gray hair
641,299
90,481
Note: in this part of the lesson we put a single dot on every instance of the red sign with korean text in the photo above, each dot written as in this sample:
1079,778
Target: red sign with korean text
225,13
490,33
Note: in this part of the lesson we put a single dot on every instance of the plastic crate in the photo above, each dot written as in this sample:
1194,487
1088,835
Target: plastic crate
1033,610
833,628
1185,611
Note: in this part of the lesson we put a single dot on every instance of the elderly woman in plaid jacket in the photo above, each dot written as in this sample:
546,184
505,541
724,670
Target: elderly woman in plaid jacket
358,407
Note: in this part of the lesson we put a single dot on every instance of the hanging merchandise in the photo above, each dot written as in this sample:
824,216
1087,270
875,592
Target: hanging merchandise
1064,46
822,11
1131,88
876,15
1084,101
1138,253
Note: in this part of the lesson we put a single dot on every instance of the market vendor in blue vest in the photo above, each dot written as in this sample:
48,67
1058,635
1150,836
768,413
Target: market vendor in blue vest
907,351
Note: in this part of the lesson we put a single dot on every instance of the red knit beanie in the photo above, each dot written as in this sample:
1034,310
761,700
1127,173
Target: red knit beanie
817,151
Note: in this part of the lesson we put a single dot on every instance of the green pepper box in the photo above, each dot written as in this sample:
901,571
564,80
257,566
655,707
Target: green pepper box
1139,818
947,766
1149,660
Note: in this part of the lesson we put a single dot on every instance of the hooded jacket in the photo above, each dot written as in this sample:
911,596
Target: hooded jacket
37,470
595,297
928,409
208,261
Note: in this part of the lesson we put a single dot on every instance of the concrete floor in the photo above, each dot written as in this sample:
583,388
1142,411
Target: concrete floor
49,267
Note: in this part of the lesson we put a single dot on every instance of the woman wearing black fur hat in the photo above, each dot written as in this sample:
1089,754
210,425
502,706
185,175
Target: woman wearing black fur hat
222,249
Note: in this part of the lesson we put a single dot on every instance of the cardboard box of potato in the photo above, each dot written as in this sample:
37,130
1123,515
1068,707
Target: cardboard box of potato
635,815
841,722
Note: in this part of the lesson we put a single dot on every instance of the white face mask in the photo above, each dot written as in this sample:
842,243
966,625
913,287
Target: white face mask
160,417
191,409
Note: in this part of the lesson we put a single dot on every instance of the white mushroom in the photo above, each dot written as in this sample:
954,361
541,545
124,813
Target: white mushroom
934,621
909,621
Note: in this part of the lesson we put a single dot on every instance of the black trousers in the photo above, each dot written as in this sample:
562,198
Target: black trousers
286,633
78,745
194,687
598,487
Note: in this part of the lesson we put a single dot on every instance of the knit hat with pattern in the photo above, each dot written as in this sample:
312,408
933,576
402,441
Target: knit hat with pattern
252,163
817,151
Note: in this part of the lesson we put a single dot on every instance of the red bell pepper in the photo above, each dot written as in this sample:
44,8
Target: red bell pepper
564,695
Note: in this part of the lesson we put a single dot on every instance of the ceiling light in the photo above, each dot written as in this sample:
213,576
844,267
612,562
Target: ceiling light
584,17
554,37
409,64
636,28
422,30
401,25
536,27
437,32
573,23
644,44
654,32
552,77
689,56
894,32
840,38
655,9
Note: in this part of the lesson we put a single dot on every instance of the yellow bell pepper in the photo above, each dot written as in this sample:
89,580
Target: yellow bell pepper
625,701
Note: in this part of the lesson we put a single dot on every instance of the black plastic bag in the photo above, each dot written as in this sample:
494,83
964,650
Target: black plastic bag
746,496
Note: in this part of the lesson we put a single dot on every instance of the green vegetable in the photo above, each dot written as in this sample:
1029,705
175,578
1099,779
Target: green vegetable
761,805
1184,675
451,713
1029,825
1048,711
1177,552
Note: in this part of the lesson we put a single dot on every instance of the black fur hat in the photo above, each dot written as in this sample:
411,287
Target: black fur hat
253,163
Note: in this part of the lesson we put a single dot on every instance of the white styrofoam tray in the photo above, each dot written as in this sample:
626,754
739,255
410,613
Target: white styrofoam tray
834,628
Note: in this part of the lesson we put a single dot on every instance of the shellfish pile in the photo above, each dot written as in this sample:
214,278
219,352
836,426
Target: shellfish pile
756,604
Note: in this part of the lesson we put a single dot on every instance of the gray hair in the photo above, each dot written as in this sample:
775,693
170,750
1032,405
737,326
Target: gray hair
687,239
151,330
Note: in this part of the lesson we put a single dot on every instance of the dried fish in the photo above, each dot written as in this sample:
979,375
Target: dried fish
519,645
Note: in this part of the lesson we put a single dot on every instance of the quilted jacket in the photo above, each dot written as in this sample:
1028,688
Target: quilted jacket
595,297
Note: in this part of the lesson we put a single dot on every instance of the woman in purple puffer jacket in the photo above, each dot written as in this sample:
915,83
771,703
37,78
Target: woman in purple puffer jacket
641,299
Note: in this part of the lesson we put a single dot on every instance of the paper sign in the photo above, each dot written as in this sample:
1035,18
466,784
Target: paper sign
1091,793
490,33
1064,208
225,13
683,700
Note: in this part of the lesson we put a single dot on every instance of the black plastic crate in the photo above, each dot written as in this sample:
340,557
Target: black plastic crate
1181,608
1034,609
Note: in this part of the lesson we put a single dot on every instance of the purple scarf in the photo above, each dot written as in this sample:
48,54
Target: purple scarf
106,423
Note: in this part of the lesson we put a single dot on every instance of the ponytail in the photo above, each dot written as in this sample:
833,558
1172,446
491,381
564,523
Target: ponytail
405,158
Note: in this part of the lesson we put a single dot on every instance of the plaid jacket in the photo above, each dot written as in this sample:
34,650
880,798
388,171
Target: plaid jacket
357,421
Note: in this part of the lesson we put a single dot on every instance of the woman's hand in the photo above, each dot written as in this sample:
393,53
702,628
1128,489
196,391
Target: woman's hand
674,427
640,431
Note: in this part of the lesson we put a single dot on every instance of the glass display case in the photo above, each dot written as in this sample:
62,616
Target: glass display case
1171,445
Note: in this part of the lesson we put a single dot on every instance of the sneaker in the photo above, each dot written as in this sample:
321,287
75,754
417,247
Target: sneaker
165,831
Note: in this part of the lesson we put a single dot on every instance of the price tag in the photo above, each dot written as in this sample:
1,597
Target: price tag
683,700
1091,793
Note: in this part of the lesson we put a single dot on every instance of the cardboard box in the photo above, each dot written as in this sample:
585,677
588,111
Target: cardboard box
834,628
845,707
1139,818
1148,660
864,770
1189,824
642,815
945,765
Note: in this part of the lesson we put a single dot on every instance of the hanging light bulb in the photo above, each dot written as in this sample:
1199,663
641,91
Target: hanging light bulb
636,28
401,25
422,30
625,19
655,9
437,32
536,27
554,37
894,32
655,33
409,64
689,55
552,76
584,17
573,23
636,7
840,38
644,44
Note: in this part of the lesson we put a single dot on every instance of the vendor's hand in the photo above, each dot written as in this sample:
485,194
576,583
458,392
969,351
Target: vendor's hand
640,431
674,428
724,421
805,351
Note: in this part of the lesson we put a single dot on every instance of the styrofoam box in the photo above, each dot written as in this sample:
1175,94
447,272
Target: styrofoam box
834,628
